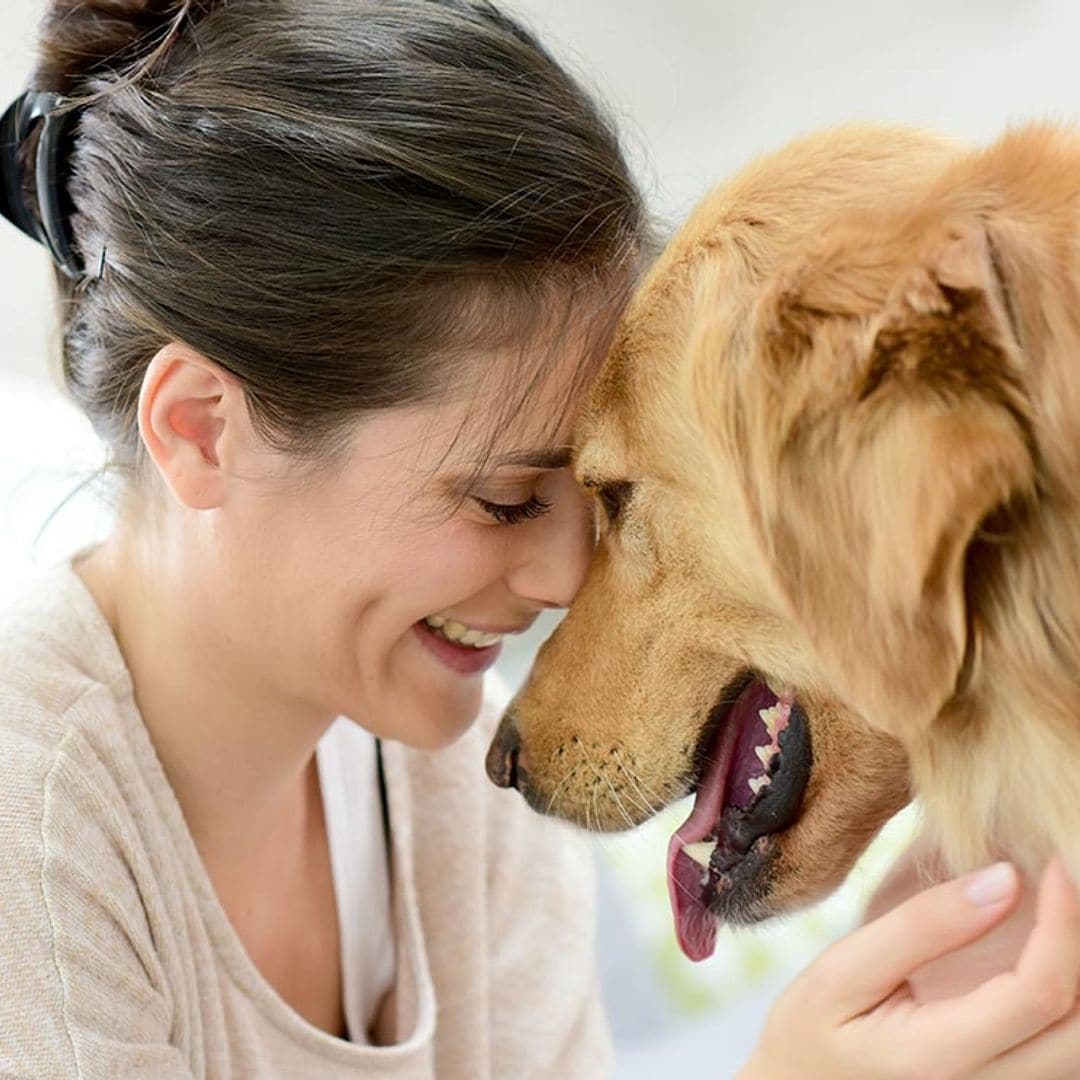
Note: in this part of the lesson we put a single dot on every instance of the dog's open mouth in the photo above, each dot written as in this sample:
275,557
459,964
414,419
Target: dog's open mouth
756,767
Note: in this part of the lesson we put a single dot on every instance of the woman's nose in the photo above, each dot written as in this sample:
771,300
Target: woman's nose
551,567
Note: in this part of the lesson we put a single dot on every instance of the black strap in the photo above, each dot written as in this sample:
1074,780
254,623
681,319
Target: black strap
383,799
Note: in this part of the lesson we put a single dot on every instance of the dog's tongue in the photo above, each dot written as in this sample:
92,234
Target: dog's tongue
695,925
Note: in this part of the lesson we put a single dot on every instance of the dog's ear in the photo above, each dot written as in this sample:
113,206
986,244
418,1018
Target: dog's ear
880,484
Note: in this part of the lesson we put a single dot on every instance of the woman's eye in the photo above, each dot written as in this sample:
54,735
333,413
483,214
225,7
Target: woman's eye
512,514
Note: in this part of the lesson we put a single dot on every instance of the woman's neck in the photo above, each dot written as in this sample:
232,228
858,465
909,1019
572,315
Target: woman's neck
238,761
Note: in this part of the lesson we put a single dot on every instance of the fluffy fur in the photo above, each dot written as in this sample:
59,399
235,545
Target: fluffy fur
838,440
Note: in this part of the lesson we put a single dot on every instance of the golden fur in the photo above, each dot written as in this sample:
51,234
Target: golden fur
847,399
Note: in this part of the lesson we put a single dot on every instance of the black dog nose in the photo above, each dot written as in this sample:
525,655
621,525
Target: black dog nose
502,759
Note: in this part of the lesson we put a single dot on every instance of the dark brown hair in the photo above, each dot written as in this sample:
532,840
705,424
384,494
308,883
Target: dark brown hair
329,199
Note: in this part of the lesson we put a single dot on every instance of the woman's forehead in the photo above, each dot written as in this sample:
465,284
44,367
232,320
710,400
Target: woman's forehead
537,435
506,408
521,418
482,434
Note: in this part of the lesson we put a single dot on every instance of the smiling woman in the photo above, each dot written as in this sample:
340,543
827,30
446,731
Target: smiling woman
333,277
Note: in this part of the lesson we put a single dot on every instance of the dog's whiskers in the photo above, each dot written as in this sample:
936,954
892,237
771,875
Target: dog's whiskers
635,793
602,776
646,798
558,787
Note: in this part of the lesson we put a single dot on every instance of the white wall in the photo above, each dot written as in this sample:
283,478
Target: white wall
699,87
703,85
707,85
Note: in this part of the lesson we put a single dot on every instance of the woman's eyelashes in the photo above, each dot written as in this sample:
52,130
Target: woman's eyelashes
512,514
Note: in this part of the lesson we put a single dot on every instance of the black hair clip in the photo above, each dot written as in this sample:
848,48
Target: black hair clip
50,174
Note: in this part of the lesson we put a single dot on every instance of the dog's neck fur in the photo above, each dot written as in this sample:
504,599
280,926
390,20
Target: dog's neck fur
997,777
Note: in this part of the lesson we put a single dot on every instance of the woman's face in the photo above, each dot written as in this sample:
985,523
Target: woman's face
340,592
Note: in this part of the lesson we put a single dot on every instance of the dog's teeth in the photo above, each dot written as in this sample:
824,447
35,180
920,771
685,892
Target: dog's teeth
770,718
775,718
438,621
765,754
701,853
757,783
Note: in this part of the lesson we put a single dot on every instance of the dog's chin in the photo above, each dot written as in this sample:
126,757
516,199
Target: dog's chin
755,764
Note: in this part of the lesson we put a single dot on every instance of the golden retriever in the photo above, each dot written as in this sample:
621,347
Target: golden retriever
837,449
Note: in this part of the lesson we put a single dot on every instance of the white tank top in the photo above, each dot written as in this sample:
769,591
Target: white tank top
352,804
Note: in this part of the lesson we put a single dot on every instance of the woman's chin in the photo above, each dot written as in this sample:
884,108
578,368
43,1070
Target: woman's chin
438,724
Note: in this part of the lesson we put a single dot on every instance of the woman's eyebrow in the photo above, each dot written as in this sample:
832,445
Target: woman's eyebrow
554,458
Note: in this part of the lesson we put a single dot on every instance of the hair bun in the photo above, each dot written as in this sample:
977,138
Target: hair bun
80,39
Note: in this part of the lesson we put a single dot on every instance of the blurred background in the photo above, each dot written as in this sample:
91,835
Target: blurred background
699,86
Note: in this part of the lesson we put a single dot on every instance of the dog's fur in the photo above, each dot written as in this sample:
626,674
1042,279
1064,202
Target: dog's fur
838,438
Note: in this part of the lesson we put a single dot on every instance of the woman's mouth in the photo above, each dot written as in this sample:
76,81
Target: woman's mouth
460,634
464,649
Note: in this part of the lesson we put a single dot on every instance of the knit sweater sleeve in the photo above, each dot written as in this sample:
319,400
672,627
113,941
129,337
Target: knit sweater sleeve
82,994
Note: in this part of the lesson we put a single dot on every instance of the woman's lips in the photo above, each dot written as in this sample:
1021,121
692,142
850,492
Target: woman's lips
462,659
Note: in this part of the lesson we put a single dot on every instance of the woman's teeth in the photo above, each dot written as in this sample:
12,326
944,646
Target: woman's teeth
460,634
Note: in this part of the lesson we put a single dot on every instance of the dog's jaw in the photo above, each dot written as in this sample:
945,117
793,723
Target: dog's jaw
755,768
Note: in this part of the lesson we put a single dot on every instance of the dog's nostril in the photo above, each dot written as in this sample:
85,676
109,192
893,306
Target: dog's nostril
502,759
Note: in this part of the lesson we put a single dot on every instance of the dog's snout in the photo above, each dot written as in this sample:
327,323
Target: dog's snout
504,757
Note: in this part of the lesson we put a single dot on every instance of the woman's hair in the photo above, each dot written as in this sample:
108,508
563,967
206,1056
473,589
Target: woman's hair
333,200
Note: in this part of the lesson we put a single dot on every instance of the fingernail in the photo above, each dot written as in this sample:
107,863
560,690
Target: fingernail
991,884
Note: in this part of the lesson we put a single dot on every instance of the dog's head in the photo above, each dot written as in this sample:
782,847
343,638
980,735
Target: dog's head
815,426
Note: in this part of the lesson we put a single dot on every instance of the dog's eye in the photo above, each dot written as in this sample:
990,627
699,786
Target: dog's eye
614,497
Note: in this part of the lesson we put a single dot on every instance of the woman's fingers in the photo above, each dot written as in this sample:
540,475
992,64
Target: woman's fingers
1013,1007
867,966
1053,1055
851,1012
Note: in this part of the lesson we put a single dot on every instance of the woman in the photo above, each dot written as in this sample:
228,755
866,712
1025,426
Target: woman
333,278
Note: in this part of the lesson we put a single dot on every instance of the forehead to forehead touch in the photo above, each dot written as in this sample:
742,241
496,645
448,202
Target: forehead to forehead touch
517,403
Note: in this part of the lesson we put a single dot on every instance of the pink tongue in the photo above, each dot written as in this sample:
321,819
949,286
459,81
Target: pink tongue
695,926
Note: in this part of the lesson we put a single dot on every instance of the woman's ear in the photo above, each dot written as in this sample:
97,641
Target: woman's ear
192,414
878,494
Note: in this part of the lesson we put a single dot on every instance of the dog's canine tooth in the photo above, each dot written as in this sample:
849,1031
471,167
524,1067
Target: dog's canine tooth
758,782
701,853
775,718
770,717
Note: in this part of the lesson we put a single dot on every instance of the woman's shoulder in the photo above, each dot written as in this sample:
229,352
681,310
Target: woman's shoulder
70,771
60,667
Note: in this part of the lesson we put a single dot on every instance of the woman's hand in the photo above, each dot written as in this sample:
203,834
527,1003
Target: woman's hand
851,1013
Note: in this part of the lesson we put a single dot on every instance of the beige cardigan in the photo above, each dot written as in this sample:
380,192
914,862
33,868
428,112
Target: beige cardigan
118,961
